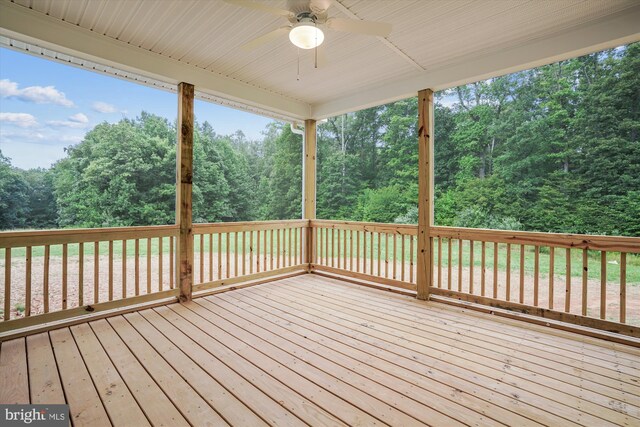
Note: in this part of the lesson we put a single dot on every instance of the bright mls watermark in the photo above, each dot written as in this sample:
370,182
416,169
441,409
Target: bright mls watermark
34,415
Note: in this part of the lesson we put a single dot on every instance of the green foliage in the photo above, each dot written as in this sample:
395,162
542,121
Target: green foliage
13,196
556,148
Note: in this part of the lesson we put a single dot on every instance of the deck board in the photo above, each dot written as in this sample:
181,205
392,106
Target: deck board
44,380
310,350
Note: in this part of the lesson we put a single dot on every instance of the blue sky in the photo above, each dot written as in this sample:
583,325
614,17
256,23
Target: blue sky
46,106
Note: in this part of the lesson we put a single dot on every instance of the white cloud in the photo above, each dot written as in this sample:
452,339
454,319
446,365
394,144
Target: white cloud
76,121
103,107
24,120
35,94
79,118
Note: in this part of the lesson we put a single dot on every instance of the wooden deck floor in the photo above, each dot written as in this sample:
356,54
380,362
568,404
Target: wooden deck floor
315,351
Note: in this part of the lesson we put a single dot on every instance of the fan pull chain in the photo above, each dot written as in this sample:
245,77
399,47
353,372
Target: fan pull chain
315,49
298,77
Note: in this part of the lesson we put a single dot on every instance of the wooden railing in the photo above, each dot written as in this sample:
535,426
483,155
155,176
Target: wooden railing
49,275
588,280
581,279
366,250
53,275
227,253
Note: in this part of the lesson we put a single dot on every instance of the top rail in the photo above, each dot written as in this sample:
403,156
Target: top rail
570,241
17,239
562,240
230,227
376,227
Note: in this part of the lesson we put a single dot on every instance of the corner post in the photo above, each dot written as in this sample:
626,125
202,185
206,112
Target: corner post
309,205
425,193
184,181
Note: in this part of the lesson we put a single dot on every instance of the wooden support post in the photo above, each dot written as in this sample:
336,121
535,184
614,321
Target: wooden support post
184,179
425,193
309,204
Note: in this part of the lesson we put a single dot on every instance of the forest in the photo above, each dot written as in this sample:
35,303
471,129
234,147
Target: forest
556,148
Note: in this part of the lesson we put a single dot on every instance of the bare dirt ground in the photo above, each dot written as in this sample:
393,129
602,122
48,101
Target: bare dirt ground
214,268
149,279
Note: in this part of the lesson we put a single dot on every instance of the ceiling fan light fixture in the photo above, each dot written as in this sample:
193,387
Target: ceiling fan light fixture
306,35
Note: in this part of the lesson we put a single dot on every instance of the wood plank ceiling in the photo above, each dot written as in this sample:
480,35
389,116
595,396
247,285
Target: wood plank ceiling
431,33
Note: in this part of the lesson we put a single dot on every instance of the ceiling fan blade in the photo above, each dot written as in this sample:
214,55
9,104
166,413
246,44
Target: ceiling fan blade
319,6
265,38
260,6
381,29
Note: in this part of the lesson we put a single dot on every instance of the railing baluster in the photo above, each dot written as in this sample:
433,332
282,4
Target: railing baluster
80,275
379,254
351,250
411,259
371,258
265,265
403,241
7,284
339,258
623,287
551,273
439,262
536,275
585,280
300,231
386,254
172,261
228,257
160,262
508,271
603,284
358,251
219,256
27,285
244,252
96,271
271,249
459,265
124,268
201,258
110,271
210,257
278,248
495,270
148,265
65,256
471,244
45,283
449,263
251,246
521,296
258,251
235,253
326,246
483,268
290,246
395,255
567,291
137,267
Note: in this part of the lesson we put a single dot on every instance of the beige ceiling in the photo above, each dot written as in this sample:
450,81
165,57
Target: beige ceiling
427,36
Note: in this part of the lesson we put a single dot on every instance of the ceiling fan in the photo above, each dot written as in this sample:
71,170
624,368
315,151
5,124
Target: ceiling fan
307,19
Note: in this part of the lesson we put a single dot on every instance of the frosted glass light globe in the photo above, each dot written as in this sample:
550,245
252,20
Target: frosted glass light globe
306,35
